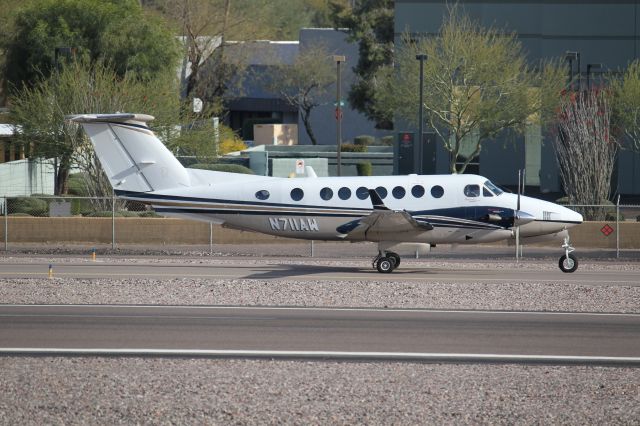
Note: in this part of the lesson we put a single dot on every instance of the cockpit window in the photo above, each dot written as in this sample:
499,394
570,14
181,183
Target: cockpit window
472,191
486,192
493,188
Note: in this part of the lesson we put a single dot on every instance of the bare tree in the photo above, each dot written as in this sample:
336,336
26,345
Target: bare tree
303,83
586,149
626,105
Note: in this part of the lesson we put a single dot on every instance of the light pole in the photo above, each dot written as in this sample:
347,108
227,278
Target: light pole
339,59
419,166
572,56
589,68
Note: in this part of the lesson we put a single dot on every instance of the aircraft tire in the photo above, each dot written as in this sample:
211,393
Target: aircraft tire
568,265
384,265
395,258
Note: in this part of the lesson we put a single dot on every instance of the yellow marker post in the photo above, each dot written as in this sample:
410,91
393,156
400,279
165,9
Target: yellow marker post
93,254
50,271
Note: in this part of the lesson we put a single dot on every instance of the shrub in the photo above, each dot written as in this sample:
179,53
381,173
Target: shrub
365,168
149,213
28,205
364,140
387,140
611,217
231,145
76,185
223,167
107,213
349,147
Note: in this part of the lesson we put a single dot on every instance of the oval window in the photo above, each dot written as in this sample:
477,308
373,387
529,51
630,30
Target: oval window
437,191
417,191
326,194
399,192
263,194
362,193
297,194
344,193
382,192
472,191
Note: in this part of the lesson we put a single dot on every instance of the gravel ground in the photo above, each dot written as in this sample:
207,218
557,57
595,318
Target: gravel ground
99,390
199,391
526,295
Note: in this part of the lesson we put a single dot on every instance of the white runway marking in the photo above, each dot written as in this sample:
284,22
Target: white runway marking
320,309
397,356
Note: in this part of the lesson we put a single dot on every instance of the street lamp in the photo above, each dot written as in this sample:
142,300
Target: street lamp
339,59
589,68
573,56
419,166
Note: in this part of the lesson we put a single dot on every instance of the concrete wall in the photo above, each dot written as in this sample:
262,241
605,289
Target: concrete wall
177,231
127,231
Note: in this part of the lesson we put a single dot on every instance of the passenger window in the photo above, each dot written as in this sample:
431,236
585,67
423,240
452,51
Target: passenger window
437,191
362,193
382,192
486,192
297,194
472,191
344,193
417,191
398,192
262,194
326,194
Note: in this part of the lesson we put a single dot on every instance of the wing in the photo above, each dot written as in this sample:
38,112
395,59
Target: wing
382,221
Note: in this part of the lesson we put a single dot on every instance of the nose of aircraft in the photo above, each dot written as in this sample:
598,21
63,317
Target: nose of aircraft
571,217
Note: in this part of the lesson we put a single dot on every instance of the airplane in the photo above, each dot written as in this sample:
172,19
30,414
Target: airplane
433,209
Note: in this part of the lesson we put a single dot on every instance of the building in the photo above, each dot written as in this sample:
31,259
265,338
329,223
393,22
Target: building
253,104
605,32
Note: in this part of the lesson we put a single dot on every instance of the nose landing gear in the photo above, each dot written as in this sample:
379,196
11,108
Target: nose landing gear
568,262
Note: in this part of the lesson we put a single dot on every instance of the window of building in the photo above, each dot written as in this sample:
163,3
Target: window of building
399,192
417,191
437,191
362,193
344,193
263,194
326,194
297,194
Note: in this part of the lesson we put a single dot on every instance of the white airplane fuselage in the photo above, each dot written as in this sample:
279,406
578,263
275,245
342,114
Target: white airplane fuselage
232,199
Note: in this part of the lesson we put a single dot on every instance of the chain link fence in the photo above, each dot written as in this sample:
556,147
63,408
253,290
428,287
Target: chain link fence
616,226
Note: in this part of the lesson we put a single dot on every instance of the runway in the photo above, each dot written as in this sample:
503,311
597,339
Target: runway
301,270
321,333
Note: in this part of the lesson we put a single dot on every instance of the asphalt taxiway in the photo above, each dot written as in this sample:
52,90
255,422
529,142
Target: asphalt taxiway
305,270
321,333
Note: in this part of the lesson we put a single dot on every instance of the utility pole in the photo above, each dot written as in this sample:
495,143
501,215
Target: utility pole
419,163
339,59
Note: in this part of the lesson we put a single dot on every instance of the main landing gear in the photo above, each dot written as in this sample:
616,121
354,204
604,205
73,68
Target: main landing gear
386,261
568,262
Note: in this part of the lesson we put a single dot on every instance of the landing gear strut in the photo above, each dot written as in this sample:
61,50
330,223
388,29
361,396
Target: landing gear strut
386,261
568,262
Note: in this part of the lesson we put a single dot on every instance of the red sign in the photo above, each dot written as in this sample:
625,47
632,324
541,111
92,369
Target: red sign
338,113
606,230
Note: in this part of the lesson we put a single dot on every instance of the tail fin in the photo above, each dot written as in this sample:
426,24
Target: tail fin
131,155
